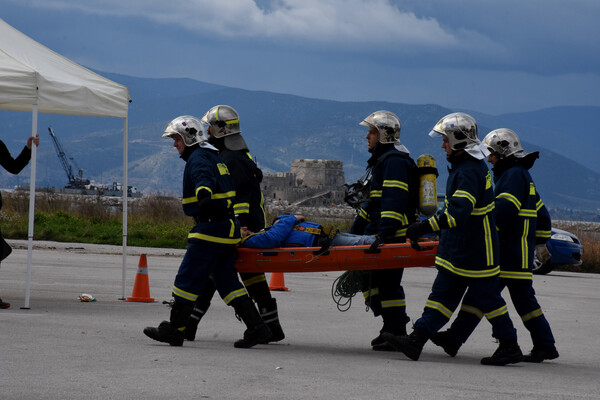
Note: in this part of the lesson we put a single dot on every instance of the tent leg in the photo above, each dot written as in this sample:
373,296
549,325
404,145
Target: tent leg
125,193
31,207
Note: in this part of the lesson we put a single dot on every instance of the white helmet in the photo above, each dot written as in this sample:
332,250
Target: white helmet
386,123
225,123
189,128
504,143
461,131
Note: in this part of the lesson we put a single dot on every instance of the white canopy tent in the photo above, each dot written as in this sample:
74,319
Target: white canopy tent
35,79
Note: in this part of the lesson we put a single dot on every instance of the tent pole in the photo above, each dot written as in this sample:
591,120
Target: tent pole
31,206
125,193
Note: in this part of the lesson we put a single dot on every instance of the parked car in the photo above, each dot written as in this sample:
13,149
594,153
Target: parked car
566,249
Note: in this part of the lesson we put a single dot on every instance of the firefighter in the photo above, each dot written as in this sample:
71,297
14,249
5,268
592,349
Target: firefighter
386,214
225,134
208,196
517,207
467,256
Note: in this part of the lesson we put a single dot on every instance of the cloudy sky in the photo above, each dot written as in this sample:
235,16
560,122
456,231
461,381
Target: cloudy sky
489,56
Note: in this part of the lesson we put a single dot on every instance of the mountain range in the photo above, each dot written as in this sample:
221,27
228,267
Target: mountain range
280,128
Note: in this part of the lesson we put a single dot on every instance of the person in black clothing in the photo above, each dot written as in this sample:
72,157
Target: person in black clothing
386,214
225,134
14,166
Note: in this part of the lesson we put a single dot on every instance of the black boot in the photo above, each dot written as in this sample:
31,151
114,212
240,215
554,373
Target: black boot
508,352
258,331
172,331
539,354
200,308
410,345
447,342
270,316
380,344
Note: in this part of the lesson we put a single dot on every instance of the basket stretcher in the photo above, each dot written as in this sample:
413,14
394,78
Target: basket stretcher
339,258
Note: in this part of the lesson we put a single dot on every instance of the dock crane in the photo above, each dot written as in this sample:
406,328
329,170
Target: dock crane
75,181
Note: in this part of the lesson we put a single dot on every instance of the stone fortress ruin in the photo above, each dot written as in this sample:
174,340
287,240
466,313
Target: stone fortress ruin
310,182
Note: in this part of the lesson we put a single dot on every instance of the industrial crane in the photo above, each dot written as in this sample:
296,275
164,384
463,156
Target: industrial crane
75,181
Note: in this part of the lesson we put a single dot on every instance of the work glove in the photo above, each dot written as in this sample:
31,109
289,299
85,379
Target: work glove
415,231
542,253
374,246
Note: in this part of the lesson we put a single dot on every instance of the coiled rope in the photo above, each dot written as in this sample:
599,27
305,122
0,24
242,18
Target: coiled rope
345,287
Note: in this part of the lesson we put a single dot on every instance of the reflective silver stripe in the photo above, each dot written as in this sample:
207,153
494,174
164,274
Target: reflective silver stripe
531,315
496,313
439,307
472,310
393,303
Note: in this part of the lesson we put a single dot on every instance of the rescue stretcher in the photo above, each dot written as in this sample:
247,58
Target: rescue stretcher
339,258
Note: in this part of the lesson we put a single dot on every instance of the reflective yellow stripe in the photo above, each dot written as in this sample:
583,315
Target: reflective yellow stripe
531,315
531,189
439,307
401,232
214,239
516,275
395,184
525,245
225,195
393,303
450,219
183,294
466,195
511,198
543,234
375,193
483,210
370,293
472,310
234,295
465,272
528,213
539,205
496,313
209,190
232,230
241,208
489,249
188,200
255,279
363,214
433,222
392,214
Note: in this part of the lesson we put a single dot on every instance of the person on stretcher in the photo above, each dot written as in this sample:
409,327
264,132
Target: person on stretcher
294,231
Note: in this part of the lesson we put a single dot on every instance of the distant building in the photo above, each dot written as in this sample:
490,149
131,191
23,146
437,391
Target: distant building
310,182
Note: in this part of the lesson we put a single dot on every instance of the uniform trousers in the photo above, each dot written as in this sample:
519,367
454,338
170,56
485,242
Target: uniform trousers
448,290
202,261
523,298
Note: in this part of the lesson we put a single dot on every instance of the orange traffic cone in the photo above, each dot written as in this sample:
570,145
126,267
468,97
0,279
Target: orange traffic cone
141,287
277,282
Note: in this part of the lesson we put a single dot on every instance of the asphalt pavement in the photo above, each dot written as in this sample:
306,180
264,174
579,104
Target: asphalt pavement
62,348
